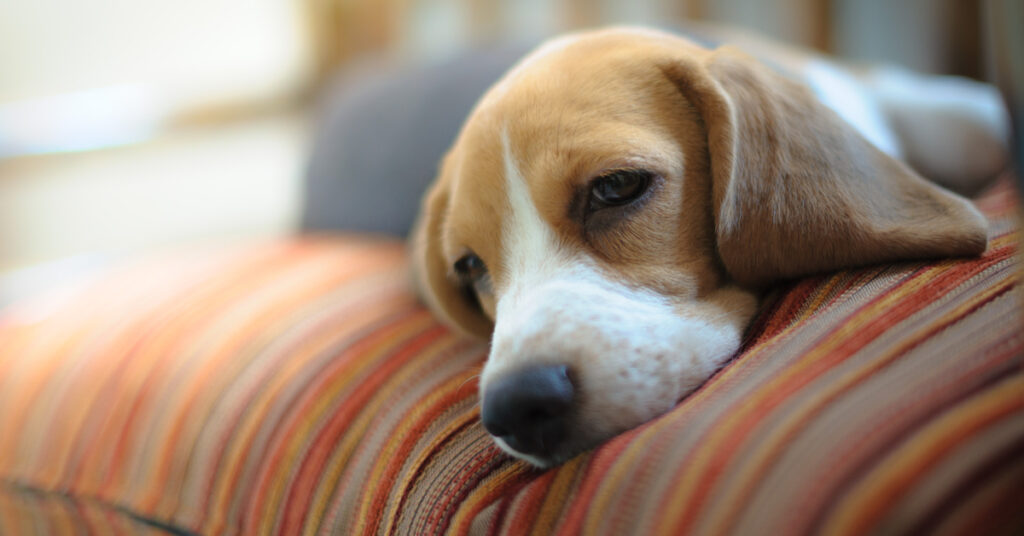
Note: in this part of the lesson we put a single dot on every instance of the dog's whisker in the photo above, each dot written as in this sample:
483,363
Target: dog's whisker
467,380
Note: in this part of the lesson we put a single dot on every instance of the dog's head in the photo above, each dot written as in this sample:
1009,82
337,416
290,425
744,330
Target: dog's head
610,202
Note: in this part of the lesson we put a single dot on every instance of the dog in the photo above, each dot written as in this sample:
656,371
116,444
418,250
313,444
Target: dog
614,206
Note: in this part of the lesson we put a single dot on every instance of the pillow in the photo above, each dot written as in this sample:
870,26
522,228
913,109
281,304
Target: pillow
381,130
297,387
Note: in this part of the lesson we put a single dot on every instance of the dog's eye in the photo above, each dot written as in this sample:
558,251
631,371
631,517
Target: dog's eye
617,188
470,268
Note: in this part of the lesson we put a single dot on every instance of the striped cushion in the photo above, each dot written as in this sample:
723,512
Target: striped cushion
296,387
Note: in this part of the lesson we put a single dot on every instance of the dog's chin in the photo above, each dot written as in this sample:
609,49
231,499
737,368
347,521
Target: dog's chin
562,454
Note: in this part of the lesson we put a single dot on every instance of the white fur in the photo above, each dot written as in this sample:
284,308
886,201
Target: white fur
952,130
840,91
636,352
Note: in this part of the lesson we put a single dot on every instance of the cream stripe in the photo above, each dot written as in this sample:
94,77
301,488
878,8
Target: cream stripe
817,412
855,512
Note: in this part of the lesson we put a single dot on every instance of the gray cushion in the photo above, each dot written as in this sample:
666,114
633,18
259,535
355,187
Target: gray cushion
380,134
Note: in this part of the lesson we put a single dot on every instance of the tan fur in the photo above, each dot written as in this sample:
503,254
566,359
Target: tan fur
756,180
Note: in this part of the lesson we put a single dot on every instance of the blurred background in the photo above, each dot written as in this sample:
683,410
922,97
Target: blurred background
134,124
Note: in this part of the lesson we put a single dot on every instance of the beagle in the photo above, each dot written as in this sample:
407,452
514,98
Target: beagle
612,206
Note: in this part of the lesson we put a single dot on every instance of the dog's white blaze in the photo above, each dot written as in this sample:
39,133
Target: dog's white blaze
639,350
530,246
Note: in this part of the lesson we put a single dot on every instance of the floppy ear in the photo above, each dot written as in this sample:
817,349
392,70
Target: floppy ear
796,190
430,270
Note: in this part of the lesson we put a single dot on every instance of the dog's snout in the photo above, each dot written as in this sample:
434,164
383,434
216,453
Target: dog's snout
529,409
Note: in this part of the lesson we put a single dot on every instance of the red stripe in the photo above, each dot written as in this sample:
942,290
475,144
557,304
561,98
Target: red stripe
601,462
327,437
999,463
532,496
781,392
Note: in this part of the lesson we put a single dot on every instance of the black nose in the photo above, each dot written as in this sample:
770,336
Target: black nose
528,409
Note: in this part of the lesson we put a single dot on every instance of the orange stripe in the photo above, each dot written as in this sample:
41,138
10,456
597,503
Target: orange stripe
566,478
312,464
640,445
195,394
148,360
340,375
508,475
369,393
250,424
318,339
305,352
528,503
866,503
860,328
339,474
435,405
773,446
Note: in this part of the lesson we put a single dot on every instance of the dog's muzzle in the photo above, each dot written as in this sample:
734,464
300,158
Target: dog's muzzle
529,409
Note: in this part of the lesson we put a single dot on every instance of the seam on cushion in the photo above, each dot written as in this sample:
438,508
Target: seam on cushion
28,489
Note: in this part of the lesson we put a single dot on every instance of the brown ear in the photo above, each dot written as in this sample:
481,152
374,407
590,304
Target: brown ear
430,269
797,190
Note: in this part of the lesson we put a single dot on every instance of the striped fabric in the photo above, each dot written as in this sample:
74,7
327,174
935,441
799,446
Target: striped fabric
296,387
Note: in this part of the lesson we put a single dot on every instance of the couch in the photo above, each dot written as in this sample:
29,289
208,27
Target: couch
296,385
